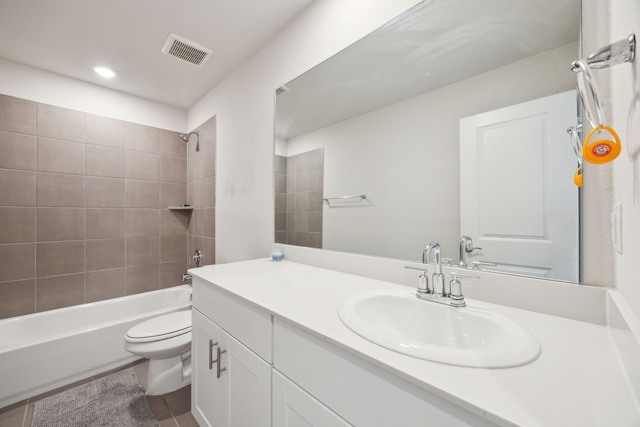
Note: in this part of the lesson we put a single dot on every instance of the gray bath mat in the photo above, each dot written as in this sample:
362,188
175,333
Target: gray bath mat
116,400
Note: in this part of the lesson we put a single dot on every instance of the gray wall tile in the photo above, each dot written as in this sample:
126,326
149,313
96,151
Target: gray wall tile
60,224
143,278
172,194
173,248
171,144
174,222
105,223
105,284
17,115
18,188
171,273
143,250
104,161
57,258
60,123
105,254
59,291
17,298
173,169
141,138
142,222
142,194
54,189
105,131
17,261
105,192
55,155
139,165
18,225
18,151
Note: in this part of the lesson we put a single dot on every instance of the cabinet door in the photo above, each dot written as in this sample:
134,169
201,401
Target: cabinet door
206,388
247,383
294,407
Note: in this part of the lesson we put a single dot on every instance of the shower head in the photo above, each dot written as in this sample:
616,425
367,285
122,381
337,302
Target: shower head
185,136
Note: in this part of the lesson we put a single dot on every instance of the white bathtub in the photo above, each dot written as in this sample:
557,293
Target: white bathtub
43,351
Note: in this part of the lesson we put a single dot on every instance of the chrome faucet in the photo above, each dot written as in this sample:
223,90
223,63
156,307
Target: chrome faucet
438,293
466,247
186,277
437,278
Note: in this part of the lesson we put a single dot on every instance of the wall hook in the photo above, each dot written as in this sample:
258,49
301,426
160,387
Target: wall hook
613,54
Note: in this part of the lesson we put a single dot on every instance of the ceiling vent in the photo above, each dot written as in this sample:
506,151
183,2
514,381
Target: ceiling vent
186,50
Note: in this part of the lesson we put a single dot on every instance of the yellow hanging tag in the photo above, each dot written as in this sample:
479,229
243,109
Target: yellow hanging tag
577,177
603,150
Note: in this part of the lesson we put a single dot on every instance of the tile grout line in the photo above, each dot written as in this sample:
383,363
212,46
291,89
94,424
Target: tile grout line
84,204
35,243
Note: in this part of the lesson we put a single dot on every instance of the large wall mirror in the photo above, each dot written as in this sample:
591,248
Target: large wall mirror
449,121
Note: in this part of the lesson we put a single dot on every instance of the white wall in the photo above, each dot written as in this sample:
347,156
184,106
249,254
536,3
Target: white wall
405,157
625,113
37,85
244,106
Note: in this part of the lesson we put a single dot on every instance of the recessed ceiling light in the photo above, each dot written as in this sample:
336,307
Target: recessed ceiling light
104,72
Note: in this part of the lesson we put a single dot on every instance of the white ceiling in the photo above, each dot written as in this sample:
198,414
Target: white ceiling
70,37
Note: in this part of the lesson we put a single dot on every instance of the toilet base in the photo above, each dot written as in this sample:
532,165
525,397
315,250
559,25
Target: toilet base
167,375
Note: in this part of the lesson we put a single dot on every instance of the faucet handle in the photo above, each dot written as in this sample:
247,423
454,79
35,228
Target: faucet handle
455,288
423,280
447,261
196,258
478,264
411,267
456,276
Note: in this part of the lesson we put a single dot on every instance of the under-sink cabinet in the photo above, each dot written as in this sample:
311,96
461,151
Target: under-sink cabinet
358,391
232,385
275,373
231,360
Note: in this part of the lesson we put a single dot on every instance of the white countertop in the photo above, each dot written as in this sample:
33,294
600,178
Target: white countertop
576,381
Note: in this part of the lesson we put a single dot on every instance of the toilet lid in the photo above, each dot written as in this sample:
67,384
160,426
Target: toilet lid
161,327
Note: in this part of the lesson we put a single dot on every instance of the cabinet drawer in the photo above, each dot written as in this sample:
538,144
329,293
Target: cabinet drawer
245,322
293,407
361,393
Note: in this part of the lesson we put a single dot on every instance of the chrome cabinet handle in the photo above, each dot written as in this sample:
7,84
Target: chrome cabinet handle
217,360
219,369
211,361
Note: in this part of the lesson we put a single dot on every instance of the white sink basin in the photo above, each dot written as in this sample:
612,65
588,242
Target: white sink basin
467,336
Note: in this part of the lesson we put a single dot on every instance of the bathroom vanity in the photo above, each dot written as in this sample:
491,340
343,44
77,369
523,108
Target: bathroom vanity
269,349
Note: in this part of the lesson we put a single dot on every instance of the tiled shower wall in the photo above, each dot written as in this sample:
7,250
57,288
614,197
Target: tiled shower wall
299,192
83,207
280,172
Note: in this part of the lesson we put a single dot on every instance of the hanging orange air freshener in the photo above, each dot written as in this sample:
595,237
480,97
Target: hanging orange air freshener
577,177
603,150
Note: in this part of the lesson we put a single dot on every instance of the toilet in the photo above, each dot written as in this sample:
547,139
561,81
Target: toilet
166,341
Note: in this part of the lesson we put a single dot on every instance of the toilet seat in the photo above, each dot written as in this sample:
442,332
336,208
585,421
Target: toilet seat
161,328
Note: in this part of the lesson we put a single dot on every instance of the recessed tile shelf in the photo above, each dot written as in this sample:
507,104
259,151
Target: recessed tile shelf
180,208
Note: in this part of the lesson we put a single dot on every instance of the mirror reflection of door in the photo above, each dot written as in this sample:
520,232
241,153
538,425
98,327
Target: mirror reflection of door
517,196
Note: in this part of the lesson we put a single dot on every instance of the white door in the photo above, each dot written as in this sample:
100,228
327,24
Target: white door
206,388
518,201
247,383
